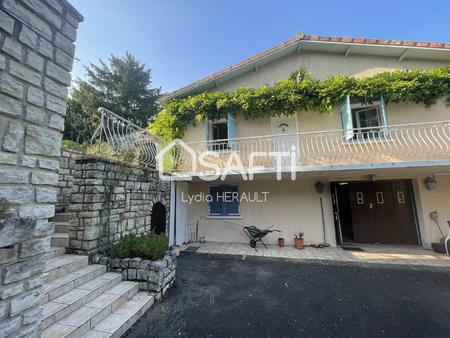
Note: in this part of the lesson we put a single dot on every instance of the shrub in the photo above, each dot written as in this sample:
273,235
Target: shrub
71,145
150,246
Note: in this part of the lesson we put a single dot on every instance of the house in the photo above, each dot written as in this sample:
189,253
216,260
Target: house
364,173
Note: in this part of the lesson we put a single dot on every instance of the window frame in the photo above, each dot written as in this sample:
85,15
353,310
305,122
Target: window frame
358,135
223,214
219,144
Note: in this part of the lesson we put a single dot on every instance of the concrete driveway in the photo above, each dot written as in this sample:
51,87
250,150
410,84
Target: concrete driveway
225,296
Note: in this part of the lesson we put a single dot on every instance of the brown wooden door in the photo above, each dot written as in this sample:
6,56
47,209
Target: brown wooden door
383,212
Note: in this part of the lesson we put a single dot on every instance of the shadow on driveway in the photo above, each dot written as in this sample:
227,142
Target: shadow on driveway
224,296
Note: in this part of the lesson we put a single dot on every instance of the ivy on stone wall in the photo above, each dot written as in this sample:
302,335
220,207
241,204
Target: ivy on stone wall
291,95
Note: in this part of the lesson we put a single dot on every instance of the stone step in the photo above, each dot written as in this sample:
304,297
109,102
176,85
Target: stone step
121,298
69,281
61,265
120,320
61,217
57,309
61,240
61,227
56,251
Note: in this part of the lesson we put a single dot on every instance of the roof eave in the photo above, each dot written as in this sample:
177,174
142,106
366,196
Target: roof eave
212,81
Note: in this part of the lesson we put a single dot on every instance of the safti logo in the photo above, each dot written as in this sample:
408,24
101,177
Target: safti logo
178,161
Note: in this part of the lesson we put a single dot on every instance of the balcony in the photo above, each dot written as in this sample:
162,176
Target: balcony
427,143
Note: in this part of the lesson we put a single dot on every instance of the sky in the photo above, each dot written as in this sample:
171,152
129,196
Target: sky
182,41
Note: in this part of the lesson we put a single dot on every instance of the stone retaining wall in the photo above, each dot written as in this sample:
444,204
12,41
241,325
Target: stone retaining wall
110,200
36,55
65,177
155,276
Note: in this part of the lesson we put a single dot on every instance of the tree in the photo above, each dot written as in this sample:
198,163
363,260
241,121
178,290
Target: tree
122,86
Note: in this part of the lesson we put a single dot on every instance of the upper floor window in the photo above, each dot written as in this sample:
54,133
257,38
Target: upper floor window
364,122
220,132
219,135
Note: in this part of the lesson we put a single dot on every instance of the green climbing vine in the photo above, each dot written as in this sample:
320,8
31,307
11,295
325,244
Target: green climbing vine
302,92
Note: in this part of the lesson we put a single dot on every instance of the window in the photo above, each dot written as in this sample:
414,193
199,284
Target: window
400,197
220,133
359,198
224,200
380,197
366,122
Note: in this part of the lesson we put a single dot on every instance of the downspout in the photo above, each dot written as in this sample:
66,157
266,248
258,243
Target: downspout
175,213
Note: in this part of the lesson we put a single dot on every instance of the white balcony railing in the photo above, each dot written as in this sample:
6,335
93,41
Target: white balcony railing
389,144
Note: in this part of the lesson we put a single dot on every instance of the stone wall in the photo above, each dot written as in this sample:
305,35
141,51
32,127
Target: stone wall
36,54
153,276
110,200
65,178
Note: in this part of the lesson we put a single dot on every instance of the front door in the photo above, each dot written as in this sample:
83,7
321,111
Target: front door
383,212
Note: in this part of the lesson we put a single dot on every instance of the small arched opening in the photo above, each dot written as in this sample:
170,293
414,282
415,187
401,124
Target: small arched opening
158,222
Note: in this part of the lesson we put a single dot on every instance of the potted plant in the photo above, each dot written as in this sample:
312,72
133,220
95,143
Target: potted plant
281,242
298,240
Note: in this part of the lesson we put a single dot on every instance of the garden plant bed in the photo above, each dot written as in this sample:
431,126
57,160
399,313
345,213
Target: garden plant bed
156,276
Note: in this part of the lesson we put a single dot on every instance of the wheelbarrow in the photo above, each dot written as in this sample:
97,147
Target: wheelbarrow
255,234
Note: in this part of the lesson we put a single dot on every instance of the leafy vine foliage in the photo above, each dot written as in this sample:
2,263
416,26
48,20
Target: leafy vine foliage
302,92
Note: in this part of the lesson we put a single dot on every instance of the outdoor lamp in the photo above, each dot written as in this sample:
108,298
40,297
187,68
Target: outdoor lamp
319,187
430,183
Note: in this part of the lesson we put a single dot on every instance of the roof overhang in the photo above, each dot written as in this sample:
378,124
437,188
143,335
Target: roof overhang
399,52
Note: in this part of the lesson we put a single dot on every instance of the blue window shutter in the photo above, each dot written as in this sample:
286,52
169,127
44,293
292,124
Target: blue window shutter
215,206
231,124
231,207
384,119
347,121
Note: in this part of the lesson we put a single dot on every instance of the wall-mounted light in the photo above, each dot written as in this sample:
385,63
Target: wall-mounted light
319,187
430,183
283,126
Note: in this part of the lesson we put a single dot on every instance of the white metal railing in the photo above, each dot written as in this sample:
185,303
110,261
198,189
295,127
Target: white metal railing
387,144
125,137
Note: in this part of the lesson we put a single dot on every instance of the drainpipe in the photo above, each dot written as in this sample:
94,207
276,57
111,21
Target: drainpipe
175,214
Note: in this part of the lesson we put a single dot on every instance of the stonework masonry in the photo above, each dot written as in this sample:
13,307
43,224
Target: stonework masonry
153,276
65,178
36,53
110,200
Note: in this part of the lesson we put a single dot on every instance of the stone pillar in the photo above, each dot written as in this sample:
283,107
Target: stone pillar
36,54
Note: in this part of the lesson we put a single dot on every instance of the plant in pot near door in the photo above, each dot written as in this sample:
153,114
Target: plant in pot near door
298,240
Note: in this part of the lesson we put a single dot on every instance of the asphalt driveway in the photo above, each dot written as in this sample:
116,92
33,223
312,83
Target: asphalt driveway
225,296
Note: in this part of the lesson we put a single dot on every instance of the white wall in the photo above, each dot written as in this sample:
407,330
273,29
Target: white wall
290,207
179,214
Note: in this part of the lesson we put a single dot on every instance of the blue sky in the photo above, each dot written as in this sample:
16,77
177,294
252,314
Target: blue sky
185,40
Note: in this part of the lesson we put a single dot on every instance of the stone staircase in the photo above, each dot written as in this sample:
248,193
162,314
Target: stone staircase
81,300
60,237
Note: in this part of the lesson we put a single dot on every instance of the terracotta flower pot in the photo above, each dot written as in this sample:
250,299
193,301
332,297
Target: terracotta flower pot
298,243
281,242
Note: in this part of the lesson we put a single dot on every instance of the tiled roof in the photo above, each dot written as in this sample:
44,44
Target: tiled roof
305,37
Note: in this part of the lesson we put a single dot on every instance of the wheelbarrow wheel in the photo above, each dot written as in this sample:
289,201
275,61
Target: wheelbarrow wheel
252,243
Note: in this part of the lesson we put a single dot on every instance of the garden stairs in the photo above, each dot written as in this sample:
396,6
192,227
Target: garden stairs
82,300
